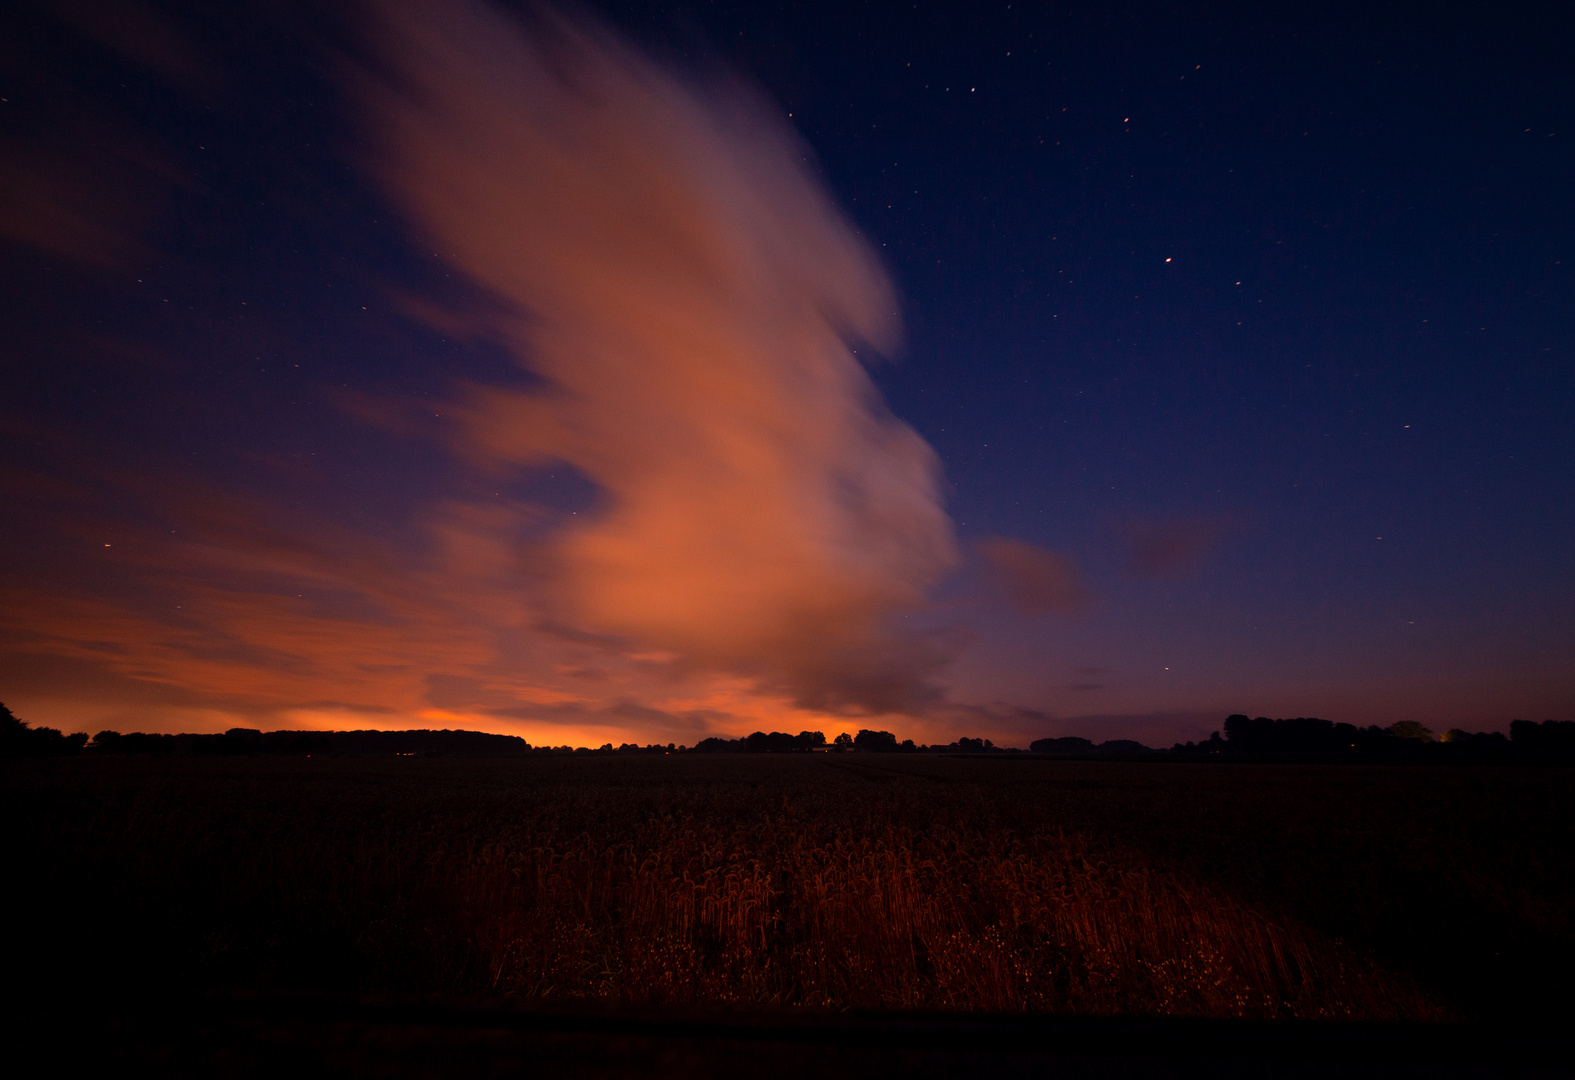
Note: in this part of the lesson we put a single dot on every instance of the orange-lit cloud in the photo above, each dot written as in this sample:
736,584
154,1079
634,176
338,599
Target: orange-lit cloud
252,615
665,262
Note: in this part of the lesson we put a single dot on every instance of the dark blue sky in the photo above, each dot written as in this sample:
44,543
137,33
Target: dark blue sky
1260,321
1363,328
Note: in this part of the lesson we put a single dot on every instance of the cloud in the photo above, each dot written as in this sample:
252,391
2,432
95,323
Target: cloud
682,302
1170,549
687,300
1032,580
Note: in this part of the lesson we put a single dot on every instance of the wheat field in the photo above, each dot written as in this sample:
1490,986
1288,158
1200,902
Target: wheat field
820,882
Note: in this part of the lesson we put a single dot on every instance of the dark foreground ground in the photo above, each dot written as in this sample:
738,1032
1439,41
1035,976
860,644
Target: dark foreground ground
848,915
315,1036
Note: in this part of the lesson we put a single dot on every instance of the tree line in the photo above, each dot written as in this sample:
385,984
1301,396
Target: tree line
1309,737
867,741
1244,738
19,739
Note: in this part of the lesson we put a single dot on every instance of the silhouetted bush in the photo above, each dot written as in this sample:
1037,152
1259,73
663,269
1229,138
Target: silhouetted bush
1475,740
1124,746
1214,747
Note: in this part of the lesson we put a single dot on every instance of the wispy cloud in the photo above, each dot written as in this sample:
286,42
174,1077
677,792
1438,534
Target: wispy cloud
1033,580
1171,549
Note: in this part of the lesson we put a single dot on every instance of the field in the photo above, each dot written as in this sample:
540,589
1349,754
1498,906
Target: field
822,882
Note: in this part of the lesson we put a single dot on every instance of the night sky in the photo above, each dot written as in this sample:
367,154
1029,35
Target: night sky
650,372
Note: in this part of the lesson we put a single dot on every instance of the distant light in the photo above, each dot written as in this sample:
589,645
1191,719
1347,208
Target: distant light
1167,260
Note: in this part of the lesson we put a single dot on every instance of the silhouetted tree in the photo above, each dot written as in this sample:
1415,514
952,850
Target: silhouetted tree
1240,732
780,742
875,742
1300,735
18,739
1552,738
1069,744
